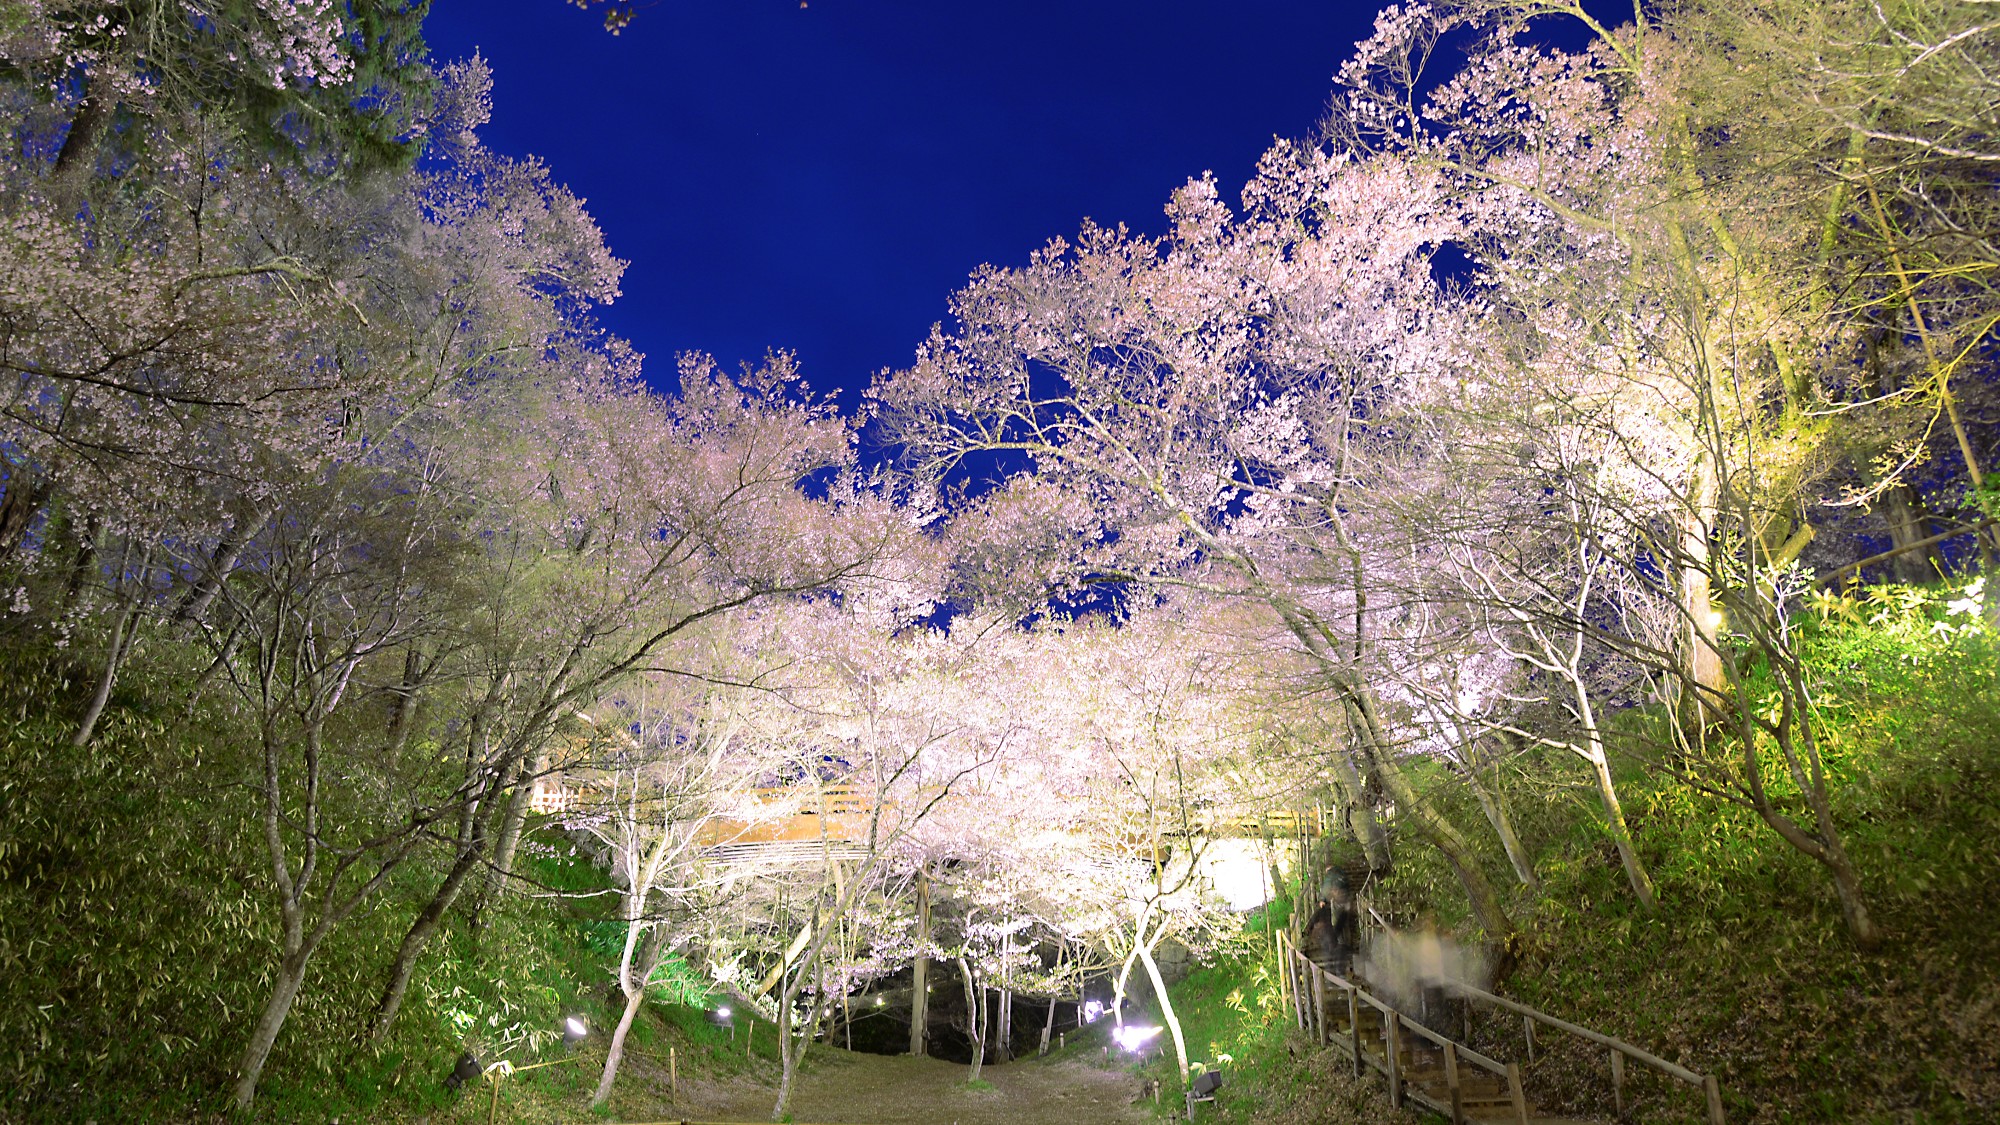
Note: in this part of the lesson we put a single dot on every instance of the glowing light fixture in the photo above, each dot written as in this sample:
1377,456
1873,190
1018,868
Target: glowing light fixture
1132,1037
574,1030
879,1001
1091,1010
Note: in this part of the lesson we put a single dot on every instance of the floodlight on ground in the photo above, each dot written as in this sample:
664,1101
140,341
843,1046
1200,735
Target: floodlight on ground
1132,1037
574,1030
464,1070
1206,1084
1091,1010
880,1002
720,1017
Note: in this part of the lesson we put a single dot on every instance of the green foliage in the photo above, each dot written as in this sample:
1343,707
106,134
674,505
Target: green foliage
1272,916
137,937
1748,971
1235,1021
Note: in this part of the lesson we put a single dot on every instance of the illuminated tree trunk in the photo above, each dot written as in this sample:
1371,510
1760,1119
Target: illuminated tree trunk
975,1017
1166,1003
920,970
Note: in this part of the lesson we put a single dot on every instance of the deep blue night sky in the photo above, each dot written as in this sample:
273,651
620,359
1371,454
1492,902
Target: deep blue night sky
823,179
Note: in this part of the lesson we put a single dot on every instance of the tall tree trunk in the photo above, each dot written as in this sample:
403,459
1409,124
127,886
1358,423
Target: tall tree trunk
975,1017
1607,792
422,929
25,491
194,604
76,157
123,635
1503,826
1360,817
1166,1004
615,1053
1003,1039
1902,510
1487,905
507,842
250,1069
920,970
1701,657
653,948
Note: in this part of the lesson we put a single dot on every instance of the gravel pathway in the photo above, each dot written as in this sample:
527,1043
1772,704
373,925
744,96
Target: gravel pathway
857,1089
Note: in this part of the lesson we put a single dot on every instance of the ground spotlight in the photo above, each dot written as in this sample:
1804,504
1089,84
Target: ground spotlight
1091,1010
720,1017
574,1030
464,1070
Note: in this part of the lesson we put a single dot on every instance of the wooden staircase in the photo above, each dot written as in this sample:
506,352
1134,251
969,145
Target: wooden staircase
1437,1072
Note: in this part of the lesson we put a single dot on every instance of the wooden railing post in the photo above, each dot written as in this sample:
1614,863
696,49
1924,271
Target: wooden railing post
1514,1092
1528,1029
1319,1004
1712,1090
1354,1029
1451,1083
1394,1042
1618,1081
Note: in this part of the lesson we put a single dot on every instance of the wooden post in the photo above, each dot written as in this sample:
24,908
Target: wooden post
1287,987
1451,1083
1319,1004
1394,1043
493,1110
1062,1040
1713,1091
673,1072
1354,1030
1528,1029
749,1033
1618,1081
1514,1092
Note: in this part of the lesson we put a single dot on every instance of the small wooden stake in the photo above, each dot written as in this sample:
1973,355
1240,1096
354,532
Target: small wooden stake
1451,1083
749,1033
673,1073
1528,1029
1618,1081
1712,1090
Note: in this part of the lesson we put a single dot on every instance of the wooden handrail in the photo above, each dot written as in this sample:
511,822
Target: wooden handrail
1619,1045
1455,1051
1386,1008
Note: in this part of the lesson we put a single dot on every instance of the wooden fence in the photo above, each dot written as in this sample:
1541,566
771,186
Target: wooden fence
1440,1073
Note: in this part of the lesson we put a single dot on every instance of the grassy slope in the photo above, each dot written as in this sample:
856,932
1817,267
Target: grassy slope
137,938
1747,973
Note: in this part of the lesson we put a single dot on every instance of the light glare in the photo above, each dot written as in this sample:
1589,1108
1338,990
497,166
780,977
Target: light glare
1132,1037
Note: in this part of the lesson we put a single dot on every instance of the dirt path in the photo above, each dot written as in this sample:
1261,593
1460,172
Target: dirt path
857,1089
